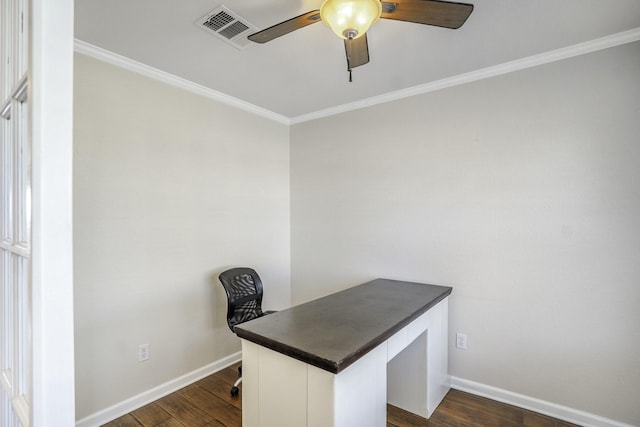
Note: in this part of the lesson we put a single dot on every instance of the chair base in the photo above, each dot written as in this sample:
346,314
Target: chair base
235,390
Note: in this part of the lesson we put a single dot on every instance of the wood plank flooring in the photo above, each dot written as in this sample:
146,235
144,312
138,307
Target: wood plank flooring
208,403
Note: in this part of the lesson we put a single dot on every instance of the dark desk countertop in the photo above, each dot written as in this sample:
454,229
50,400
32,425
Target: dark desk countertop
335,331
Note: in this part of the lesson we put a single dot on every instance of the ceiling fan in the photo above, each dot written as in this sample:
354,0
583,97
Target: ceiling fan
351,19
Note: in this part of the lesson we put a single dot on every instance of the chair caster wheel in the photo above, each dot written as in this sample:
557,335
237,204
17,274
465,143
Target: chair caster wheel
234,391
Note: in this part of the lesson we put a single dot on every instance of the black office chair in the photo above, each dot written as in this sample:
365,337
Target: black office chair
244,301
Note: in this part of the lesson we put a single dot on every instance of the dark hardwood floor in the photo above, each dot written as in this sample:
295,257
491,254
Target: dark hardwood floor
208,403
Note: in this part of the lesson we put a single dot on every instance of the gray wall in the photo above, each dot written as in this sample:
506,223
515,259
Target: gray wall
522,192
170,188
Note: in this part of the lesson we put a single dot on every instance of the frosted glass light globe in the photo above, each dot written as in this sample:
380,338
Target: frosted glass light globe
350,19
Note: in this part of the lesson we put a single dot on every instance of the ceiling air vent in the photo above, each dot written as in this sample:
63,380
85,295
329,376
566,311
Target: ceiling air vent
227,26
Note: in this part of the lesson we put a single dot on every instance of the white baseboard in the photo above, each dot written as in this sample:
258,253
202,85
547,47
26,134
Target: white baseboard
536,405
505,396
135,402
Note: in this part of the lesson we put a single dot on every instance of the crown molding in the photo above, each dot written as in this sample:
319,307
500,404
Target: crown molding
109,57
481,74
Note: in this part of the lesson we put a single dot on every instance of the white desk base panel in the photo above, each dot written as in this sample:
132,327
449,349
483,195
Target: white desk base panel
408,370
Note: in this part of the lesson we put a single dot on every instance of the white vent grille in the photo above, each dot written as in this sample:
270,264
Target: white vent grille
227,26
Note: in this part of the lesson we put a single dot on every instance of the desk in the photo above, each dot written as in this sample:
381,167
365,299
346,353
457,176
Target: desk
336,361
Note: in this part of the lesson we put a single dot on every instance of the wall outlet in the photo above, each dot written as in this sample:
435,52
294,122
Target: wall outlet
143,352
461,341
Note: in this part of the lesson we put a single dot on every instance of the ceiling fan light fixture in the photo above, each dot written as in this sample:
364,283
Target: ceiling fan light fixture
350,19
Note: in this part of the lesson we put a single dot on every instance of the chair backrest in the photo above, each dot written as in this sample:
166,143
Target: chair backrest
244,295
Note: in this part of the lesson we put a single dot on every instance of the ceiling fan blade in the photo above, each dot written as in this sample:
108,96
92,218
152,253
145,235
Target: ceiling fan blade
429,12
285,27
357,51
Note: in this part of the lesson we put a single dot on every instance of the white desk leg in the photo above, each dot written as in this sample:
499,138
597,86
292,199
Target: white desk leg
407,377
274,389
250,385
417,376
438,379
356,397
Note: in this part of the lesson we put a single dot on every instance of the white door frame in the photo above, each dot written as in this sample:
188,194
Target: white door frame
51,90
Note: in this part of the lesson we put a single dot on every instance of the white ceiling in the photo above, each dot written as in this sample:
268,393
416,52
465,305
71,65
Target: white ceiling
305,71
